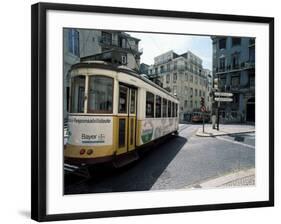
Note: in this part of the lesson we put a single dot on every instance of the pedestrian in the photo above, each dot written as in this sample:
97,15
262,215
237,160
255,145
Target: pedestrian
214,121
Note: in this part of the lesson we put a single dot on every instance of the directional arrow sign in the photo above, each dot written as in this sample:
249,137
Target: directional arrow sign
223,99
223,94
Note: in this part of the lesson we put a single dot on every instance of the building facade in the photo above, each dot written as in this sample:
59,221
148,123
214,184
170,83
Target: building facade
208,99
112,46
234,68
185,77
71,55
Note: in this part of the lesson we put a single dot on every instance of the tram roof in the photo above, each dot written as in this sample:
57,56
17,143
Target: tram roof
120,68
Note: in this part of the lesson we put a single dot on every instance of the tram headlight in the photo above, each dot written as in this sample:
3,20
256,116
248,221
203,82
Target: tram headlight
89,151
82,151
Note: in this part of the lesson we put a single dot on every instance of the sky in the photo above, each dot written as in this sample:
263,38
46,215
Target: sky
155,44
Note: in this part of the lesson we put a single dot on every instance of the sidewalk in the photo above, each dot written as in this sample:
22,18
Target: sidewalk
240,178
225,129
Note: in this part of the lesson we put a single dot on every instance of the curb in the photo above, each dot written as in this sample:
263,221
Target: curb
201,134
226,179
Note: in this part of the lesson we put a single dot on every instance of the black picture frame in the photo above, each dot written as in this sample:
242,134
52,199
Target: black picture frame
39,114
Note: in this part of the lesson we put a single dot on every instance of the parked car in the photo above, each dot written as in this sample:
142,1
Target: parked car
198,118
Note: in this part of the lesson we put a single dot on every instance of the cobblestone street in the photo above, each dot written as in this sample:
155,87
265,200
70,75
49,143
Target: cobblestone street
246,181
176,163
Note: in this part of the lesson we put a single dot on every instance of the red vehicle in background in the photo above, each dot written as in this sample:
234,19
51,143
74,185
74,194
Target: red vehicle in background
197,117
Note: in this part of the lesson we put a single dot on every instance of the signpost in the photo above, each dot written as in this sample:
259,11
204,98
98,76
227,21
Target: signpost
221,97
224,99
203,109
223,94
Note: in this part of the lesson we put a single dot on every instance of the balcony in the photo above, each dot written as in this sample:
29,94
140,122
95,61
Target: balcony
221,69
250,64
236,67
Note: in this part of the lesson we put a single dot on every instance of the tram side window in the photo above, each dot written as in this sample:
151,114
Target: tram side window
123,98
176,110
173,109
100,94
169,108
158,106
164,107
149,105
133,101
77,94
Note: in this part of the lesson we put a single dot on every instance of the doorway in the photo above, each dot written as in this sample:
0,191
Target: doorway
250,115
126,118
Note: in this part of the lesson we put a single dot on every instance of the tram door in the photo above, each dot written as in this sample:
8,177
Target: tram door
126,119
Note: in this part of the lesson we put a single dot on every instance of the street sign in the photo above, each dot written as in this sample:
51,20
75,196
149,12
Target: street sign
203,109
223,99
223,94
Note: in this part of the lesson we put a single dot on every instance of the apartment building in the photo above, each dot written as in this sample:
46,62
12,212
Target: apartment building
185,77
234,67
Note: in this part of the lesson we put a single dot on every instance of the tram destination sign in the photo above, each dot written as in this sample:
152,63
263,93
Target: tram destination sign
223,94
223,99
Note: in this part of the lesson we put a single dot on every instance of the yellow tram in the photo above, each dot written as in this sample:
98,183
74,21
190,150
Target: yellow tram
113,112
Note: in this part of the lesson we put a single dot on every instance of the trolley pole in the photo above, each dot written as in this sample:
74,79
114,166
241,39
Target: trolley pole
218,111
203,109
203,122
218,117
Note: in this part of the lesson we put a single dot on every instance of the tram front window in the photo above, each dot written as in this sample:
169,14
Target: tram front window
100,94
77,94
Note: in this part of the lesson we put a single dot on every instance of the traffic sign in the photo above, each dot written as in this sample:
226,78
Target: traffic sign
223,99
223,94
203,109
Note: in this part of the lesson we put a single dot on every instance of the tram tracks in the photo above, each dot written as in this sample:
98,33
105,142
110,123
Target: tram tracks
183,128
